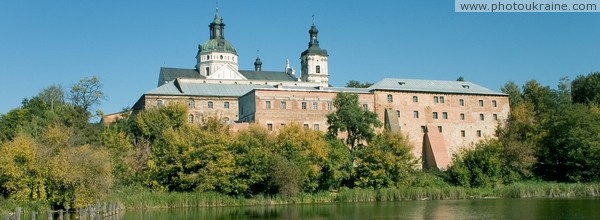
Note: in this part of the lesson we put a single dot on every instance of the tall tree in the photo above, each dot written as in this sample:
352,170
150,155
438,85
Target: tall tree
515,95
87,93
351,118
586,89
357,84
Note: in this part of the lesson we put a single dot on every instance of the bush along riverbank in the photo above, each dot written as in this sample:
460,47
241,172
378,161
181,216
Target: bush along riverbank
137,198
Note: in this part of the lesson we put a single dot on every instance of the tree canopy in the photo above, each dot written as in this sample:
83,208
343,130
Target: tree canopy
349,117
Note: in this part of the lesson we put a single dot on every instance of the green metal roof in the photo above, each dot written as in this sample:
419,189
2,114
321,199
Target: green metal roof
432,86
217,45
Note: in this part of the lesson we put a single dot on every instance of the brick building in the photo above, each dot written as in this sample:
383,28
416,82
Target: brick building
439,117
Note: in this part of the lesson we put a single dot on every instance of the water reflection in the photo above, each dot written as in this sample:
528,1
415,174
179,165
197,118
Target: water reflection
442,209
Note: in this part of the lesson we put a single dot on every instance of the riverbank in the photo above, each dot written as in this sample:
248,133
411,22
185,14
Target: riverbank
132,198
140,198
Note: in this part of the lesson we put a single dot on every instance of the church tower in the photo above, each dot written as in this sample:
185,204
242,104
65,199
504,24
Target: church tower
314,60
216,52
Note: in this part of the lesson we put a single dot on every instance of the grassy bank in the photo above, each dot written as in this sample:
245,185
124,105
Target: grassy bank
136,198
140,198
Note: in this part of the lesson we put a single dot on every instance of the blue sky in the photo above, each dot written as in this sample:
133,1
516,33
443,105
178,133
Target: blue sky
125,43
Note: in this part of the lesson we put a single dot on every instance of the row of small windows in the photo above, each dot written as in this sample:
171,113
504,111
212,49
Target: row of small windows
463,133
209,104
191,119
440,99
303,105
221,57
445,115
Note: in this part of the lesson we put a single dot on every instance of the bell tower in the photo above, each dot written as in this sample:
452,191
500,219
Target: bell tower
313,60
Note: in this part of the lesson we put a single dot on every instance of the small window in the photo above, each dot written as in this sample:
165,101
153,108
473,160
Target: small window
440,129
481,117
481,103
441,99
366,107
415,114
445,115
282,125
226,105
461,102
159,103
303,105
415,99
207,57
318,70
495,116
329,106
435,115
423,129
390,98
436,99
282,105
398,113
316,127
315,106
207,71
221,57
494,103
478,133
268,104
269,126
306,126
210,104
462,133
462,116
191,104
190,118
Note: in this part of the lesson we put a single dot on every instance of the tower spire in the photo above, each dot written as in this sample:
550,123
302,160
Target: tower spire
257,63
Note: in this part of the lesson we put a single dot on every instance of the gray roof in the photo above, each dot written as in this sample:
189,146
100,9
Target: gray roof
198,88
267,75
169,74
432,86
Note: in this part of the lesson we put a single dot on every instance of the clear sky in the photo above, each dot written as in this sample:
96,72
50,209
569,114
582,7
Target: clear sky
125,43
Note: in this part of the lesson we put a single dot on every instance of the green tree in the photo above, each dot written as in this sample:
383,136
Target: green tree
586,89
480,166
515,95
87,93
192,158
350,118
571,151
304,149
357,84
253,151
386,162
460,79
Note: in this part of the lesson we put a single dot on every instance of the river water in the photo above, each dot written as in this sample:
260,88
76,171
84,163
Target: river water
436,209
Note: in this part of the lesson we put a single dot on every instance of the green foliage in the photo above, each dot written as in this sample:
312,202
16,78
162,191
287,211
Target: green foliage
87,93
351,118
481,166
357,84
337,169
386,162
460,79
151,123
253,150
515,95
571,150
586,89
307,150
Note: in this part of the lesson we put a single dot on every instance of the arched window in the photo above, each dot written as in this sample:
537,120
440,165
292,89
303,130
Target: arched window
207,57
191,104
210,104
191,118
208,71
318,69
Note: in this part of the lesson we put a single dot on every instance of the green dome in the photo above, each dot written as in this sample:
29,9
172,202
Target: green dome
217,45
